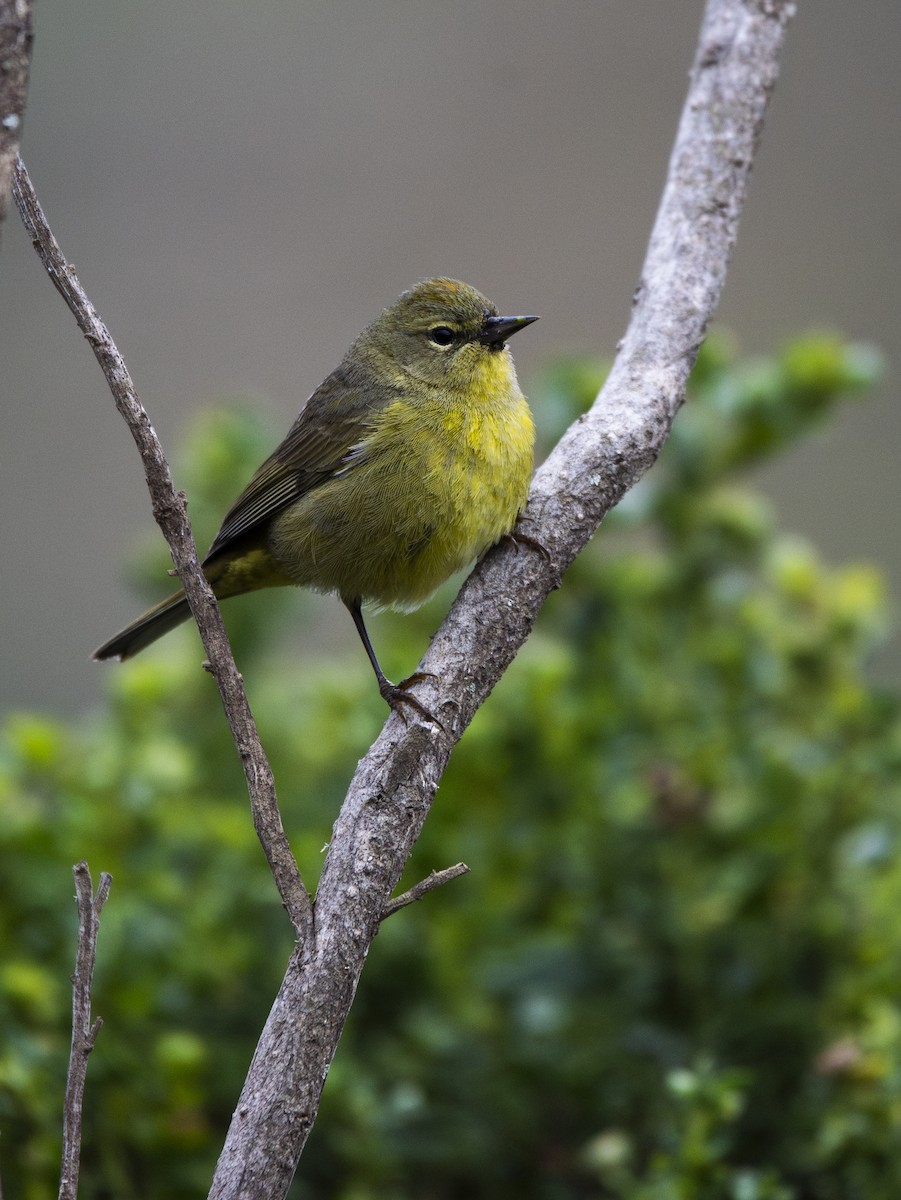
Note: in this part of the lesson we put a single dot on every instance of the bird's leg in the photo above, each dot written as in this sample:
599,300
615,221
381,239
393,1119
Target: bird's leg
394,694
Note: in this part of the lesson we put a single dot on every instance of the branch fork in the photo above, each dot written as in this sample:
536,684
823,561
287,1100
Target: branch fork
595,462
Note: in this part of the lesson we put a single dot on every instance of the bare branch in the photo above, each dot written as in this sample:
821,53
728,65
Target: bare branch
170,512
596,461
16,40
84,1033
435,880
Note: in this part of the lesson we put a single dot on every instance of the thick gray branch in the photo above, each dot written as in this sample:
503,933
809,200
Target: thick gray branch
16,39
596,461
171,515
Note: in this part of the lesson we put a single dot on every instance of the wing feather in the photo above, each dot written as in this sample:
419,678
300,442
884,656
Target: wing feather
328,436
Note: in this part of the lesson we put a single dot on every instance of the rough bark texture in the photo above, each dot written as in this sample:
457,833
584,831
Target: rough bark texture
16,38
596,461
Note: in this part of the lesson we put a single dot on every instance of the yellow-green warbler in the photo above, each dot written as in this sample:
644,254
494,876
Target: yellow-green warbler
408,462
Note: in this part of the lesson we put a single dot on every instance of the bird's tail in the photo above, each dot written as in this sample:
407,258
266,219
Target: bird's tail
147,628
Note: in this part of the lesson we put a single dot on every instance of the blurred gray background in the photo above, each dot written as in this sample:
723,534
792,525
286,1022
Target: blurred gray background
242,187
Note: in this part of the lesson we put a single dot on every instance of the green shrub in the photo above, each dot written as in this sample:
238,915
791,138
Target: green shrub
673,971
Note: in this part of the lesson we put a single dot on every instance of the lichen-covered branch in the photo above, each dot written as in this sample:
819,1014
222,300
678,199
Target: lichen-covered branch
596,461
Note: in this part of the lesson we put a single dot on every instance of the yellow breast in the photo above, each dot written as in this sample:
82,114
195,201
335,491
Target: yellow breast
437,481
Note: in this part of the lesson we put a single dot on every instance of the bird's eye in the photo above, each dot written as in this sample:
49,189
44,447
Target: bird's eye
441,335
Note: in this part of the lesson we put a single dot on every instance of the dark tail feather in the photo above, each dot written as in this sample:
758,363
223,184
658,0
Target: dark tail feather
147,628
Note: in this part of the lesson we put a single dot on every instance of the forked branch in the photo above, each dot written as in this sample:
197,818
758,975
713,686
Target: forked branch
594,464
598,459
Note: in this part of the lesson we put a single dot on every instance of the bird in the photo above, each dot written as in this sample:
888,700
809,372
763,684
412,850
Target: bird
408,462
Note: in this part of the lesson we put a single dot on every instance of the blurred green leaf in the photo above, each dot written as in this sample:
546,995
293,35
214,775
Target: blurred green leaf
673,971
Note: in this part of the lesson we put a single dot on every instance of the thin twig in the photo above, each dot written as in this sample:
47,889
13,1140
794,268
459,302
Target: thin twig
16,40
84,1032
170,512
436,880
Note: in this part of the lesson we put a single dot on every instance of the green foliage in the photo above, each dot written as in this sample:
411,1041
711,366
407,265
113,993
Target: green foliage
673,971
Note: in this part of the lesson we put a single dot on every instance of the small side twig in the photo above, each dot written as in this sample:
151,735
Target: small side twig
170,512
436,880
84,1031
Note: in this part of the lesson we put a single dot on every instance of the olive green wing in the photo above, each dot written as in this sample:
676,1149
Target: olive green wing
327,438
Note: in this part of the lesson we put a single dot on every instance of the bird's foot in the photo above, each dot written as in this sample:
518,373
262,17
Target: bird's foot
517,538
397,695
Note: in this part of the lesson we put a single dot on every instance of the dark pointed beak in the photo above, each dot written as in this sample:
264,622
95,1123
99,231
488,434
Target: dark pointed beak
496,330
